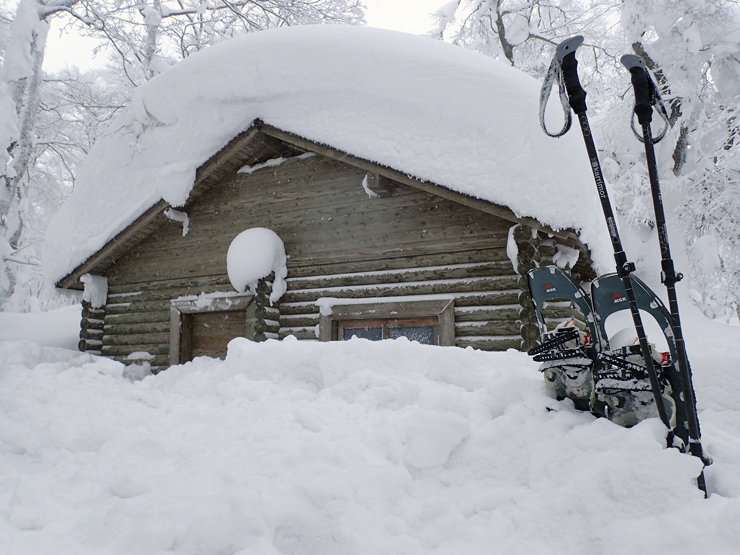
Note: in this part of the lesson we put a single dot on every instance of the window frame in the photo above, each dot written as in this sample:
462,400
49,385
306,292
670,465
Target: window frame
441,312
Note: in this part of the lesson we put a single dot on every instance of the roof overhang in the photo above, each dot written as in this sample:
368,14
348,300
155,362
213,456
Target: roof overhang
227,161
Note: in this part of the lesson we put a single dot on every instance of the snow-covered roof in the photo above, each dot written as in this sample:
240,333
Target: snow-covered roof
428,109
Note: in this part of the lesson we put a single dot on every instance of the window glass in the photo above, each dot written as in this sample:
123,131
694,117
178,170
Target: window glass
422,334
366,332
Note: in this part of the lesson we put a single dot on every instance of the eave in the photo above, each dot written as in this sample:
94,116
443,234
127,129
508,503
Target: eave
232,156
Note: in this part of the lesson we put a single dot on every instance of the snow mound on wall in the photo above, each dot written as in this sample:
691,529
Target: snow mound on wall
423,107
255,254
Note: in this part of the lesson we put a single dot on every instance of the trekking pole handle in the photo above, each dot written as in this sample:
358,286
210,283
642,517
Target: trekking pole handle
566,53
638,70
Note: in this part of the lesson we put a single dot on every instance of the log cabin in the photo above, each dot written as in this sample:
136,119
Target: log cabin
378,247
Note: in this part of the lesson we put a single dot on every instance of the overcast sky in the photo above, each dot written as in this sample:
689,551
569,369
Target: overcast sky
410,16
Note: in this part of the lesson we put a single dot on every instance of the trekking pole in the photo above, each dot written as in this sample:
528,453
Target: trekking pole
564,68
647,97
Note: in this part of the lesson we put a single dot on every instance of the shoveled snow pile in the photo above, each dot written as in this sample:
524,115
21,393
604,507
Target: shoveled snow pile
349,447
428,109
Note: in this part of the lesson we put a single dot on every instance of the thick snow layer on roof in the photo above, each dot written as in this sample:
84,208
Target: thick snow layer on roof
429,109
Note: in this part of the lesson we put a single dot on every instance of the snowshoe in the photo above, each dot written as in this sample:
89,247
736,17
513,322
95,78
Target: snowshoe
622,382
568,352
624,386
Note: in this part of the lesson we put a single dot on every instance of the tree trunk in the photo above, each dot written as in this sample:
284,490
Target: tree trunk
679,151
152,19
506,46
22,75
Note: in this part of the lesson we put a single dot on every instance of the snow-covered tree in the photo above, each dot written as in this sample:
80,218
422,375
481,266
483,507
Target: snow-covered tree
149,35
694,49
523,32
74,108
20,83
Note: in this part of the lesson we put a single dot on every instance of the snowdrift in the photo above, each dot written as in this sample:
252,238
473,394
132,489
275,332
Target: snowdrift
342,448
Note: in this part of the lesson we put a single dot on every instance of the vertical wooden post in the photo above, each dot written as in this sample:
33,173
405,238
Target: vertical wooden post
262,317
528,256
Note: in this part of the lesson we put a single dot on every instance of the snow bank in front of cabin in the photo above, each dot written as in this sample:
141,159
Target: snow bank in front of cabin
55,328
420,106
342,448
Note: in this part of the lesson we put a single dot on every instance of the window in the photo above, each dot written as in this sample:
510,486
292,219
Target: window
419,329
429,322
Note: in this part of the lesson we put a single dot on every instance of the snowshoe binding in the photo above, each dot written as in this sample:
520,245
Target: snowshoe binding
624,387
568,352
622,382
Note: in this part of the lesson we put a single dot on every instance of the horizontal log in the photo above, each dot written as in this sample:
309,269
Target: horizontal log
86,344
297,267
379,237
489,344
137,338
86,325
487,299
204,283
300,308
316,198
288,321
93,313
167,294
137,328
132,307
341,210
125,350
479,314
137,317
488,328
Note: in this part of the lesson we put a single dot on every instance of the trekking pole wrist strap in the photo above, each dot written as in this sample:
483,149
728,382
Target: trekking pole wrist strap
569,88
647,96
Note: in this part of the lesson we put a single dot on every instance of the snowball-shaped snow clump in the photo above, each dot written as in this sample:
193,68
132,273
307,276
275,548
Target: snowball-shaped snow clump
255,254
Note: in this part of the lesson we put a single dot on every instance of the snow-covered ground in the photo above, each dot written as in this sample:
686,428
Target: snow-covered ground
351,447
56,328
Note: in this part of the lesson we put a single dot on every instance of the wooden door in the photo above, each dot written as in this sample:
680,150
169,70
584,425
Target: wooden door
209,333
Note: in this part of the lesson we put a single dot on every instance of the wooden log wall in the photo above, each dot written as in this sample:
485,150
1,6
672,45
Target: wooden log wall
481,283
342,243
91,329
